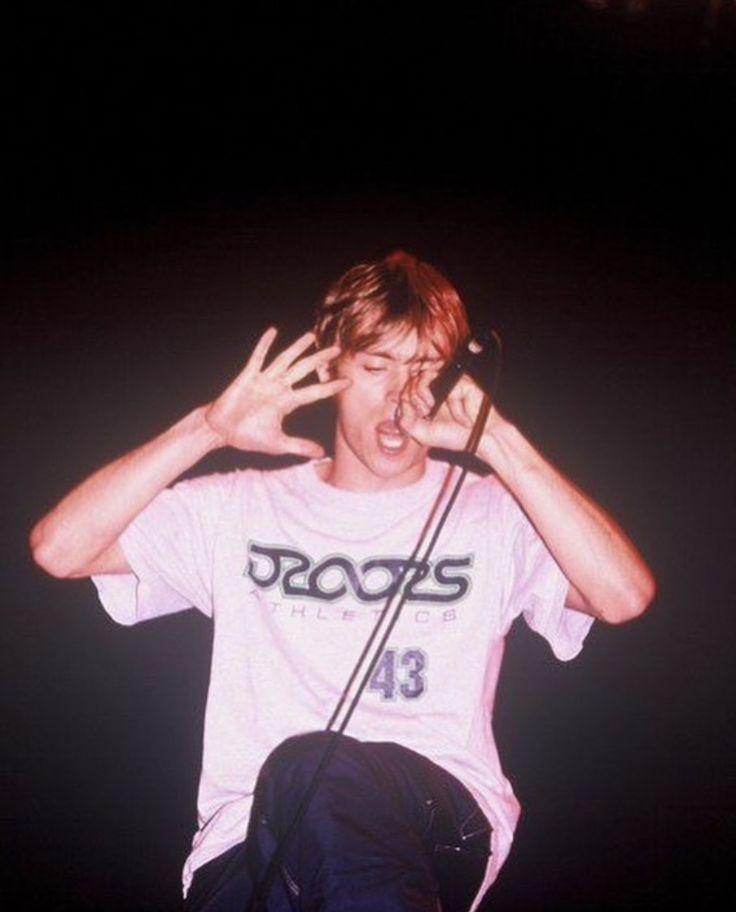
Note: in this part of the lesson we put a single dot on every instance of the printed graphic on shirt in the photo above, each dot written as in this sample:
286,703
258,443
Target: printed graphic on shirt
296,575
400,673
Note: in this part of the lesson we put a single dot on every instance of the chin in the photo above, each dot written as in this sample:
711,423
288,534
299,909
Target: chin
388,467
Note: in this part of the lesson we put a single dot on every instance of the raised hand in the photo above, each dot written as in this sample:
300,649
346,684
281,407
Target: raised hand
452,425
249,414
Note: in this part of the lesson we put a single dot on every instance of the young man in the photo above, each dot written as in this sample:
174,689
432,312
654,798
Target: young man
295,566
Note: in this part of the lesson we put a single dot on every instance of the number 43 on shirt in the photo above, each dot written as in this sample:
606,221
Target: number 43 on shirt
400,673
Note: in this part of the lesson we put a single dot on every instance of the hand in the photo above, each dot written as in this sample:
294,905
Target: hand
250,412
451,427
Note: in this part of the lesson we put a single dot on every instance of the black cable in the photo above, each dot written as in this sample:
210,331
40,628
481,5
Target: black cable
262,890
470,449
383,614
486,371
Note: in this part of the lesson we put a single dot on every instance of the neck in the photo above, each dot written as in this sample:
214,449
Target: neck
350,474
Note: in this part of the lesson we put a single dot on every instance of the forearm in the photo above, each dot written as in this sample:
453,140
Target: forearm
599,560
90,518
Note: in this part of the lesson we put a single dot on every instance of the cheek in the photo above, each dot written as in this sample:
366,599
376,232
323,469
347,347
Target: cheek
358,408
365,392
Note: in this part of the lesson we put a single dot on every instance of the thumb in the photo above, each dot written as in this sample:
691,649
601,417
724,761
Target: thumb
300,446
419,429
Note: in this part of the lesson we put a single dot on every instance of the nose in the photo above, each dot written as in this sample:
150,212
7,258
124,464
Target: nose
398,384
397,388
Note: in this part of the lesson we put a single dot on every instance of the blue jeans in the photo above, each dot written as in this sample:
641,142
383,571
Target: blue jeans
386,831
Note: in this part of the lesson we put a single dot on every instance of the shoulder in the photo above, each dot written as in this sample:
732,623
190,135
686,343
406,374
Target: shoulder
227,483
243,486
487,504
216,486
487,492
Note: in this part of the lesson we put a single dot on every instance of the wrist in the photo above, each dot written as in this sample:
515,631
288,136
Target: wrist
503,447
199,433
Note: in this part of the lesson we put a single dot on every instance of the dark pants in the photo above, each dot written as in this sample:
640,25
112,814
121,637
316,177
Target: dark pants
386,831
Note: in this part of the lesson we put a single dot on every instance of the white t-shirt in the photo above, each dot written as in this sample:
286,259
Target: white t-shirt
294,573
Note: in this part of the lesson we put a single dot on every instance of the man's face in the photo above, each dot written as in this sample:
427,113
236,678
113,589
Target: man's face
372,452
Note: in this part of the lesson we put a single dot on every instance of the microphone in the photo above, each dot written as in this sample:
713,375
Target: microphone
479,358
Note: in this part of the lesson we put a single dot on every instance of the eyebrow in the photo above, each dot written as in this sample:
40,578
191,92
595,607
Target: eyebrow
390,357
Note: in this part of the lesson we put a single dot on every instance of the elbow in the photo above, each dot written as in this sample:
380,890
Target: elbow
46,554
635,600
642,595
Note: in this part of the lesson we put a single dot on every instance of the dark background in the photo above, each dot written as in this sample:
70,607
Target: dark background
175,181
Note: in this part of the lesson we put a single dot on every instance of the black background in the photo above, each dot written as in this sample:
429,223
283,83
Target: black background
175,181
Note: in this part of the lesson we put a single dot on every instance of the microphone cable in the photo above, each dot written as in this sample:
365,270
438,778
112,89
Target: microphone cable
260,895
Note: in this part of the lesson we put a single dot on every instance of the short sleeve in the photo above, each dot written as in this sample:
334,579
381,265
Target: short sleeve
539,588
170,549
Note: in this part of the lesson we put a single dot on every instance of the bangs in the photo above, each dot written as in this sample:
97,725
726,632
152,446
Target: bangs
362,334
398,294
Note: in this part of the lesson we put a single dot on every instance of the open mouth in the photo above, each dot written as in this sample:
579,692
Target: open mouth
391,439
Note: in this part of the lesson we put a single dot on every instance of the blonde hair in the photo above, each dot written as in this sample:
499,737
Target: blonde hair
396,293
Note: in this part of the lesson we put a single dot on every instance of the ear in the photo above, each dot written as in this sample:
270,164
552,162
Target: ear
327,372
